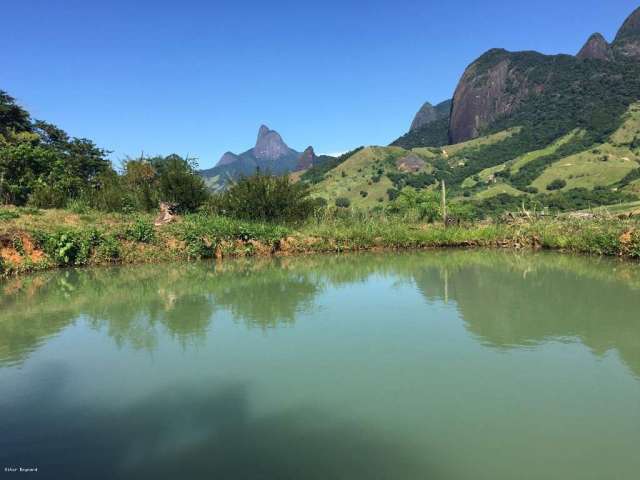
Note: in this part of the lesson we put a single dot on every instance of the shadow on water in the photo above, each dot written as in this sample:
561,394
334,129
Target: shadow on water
194,432
506,300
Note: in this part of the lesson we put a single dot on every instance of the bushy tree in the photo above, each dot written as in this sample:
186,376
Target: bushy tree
425,202
265,198
180,184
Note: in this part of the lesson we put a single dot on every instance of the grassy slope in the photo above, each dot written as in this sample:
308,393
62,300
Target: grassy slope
588,169
497,189
358,170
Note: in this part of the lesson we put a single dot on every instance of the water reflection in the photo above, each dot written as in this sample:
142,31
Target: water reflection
505,299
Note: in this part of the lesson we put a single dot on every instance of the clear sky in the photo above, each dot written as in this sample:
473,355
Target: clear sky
199,77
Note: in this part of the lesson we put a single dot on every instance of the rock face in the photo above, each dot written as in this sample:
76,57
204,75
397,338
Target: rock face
270,154
489,88
627,41
596,48
269,145
307,159
429,114
412,163
228,158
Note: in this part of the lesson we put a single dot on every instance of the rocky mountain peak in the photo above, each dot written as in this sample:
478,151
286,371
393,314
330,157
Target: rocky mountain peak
627,42
596,48
425,116
227,158
269,145
630,27
307,159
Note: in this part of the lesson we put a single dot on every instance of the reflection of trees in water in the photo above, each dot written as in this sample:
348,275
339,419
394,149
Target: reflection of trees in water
506,299
194,431
132,304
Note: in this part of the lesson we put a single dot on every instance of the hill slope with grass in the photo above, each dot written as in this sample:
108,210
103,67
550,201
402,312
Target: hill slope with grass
553,130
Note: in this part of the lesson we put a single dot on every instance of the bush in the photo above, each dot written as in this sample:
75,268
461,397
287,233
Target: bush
557,184
364,193
180,184
108,249
343,202
141,231
69,247
265,198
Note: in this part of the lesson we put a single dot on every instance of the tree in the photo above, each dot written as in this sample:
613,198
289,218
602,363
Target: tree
266,198
12,116
180,184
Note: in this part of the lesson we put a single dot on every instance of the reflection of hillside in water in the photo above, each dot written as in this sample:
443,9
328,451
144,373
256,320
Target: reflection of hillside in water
506,300
533,299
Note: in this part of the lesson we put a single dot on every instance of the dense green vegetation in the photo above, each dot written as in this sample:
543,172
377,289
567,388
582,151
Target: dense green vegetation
435,134
42,166
265,198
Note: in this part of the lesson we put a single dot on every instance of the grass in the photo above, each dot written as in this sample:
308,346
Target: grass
458,148
355,175
600,166
521,161
56,238
497,189
59,238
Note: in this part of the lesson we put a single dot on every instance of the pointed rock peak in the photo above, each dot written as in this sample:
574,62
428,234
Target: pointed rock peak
264,130
595,48
426,115
630,27
269,145
307,159
429,114
227,158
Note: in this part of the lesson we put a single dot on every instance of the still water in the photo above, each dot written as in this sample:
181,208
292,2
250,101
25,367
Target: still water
438,365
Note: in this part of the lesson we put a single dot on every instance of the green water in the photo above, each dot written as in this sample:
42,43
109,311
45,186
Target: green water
440,365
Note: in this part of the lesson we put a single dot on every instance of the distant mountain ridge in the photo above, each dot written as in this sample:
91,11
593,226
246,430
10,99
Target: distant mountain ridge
562,131
499,83
270,154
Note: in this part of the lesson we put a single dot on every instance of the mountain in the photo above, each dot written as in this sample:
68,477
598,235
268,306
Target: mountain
559,130
596,48
430,126
429,114
270,154
627,41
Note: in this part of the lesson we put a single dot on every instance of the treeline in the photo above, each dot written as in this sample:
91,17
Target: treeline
42,166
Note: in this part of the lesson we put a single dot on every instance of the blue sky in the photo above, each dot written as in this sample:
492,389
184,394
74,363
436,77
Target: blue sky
199,77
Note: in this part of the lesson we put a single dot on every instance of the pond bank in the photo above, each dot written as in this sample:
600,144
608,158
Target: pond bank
38,240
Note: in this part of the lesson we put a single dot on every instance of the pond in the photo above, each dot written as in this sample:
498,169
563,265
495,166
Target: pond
435,365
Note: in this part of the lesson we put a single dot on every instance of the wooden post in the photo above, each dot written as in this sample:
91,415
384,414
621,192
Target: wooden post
444,202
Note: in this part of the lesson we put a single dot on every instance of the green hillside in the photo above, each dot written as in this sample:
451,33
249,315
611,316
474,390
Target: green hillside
499,165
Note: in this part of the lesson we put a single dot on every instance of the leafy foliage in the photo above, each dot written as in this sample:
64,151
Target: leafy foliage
434,134
265,198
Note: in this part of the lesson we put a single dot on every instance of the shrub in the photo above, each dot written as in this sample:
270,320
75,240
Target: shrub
265,198
108,249
69,247
343,202
141,231
364,193
180,184
557,184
